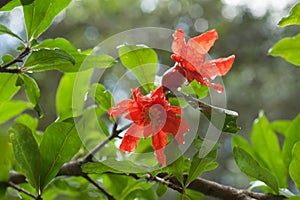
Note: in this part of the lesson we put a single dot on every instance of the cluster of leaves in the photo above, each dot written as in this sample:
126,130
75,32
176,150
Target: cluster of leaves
41,156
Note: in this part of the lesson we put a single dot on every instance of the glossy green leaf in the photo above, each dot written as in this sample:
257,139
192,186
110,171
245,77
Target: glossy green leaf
71,94
58,43
142,61
9,5
7,86
194,195
103,97
292,137
5,30
6,59
194,88
111,165
48,57
281,126
293,18
29,121
288,48
5,158
179,167
27,153
60,143
161,189
294,168
266,145
39,14
32,89
82,62
251,168
11,109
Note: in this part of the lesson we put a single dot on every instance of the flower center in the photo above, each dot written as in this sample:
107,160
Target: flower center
158,116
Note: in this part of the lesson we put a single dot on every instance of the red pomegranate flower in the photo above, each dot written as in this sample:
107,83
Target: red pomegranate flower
190,61
152,115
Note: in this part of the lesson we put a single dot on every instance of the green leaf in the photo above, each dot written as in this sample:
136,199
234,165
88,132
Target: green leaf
194,88
292,136
32,89
194,195
10,5
6,157
251,168
59,145
178,167
71,94
82,62
58,43
111,165
39,14
29,121
11,109
293,18
6,59
48,57
7,86
142,61
27,153
288,48
103,97
161,189
266,145
281,126
5,30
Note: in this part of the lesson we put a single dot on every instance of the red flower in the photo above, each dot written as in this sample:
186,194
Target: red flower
191,64
152,115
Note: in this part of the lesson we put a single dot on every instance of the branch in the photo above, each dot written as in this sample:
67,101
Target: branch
19,58
109,196
115,133
16,187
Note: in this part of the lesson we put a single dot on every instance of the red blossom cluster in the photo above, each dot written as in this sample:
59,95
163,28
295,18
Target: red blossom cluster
152,115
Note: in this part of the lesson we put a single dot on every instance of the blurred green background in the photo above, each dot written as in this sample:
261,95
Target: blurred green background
246,28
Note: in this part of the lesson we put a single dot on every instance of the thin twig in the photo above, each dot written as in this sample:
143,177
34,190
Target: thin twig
115,133
16,187
109,196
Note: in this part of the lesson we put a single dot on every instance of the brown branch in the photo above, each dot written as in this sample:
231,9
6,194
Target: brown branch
19,58
115,133
109,196
16,187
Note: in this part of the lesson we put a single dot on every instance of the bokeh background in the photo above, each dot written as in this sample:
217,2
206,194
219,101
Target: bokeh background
247,29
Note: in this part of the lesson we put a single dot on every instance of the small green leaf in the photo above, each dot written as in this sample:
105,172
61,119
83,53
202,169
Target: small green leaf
71,94
288,48
142,61
112,165
10,5
7,86
281,126
5,30
29,121
6,157
58,43
48,57
11,109
194,195
32,89
293,18
292,136
103,97
194,88
27,153
266,145
178,167
82,62
161,189
39,14
251,168
7,58
60,143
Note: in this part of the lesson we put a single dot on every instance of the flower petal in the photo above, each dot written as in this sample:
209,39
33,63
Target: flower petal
178,45
223,64
160,156
159,141
131,138
203,42
119,109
